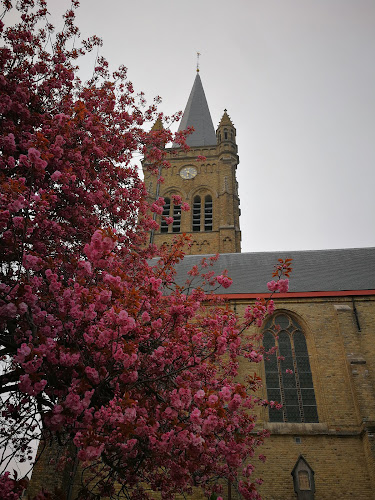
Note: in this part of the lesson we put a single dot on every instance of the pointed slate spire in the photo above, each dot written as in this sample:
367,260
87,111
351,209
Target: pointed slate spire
197,115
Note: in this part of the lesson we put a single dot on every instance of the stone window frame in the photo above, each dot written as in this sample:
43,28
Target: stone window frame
295,391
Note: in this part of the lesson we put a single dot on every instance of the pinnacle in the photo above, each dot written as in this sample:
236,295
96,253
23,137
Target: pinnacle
158,125
225,120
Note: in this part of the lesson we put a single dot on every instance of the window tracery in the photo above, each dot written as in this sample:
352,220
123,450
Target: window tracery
288,372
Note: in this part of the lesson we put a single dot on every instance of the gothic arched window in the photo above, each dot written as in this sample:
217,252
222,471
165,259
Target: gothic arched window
208,213
197,213
288,373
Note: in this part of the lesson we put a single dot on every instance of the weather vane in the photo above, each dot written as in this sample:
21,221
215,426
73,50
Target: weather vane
198,54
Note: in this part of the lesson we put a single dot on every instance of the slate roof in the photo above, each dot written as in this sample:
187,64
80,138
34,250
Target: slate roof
198,115
313,270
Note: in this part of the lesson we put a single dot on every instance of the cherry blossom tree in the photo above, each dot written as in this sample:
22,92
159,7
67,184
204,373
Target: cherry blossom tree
101,349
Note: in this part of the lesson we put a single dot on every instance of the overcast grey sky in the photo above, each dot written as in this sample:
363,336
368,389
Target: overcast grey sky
298,80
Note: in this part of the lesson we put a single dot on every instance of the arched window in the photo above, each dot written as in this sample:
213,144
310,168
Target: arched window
208,213
166,211
225,134
197,213
288,373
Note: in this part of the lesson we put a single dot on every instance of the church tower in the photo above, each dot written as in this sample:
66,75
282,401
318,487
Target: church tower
209,186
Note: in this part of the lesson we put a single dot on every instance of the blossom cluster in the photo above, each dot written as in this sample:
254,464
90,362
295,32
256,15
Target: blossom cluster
282,285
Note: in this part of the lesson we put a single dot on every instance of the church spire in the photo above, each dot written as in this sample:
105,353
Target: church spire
197,115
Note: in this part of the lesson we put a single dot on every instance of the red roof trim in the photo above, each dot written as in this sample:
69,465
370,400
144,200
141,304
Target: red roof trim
291,295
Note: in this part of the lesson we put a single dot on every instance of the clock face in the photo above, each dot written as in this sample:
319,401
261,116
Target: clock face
188,172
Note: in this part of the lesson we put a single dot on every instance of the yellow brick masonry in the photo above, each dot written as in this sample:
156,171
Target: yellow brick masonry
216,177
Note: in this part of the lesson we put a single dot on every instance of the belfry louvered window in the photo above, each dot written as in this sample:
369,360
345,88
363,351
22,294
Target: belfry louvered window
176,226
208,213
166,211
288,373
197,213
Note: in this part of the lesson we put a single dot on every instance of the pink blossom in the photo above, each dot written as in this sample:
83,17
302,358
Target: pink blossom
212,399
225,393
18,222
11,489
22,308
177,200
272,286
199,396
90,453
271,307
224,281
9,142
33,154
235,402
86,266
194,271
255,356
56,175
157,323
283,285
24,350
156,208
130,414
9,310
32,262
15,205
92,374
145,317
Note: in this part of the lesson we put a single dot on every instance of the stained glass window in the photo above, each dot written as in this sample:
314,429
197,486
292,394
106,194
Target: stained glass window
288,372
